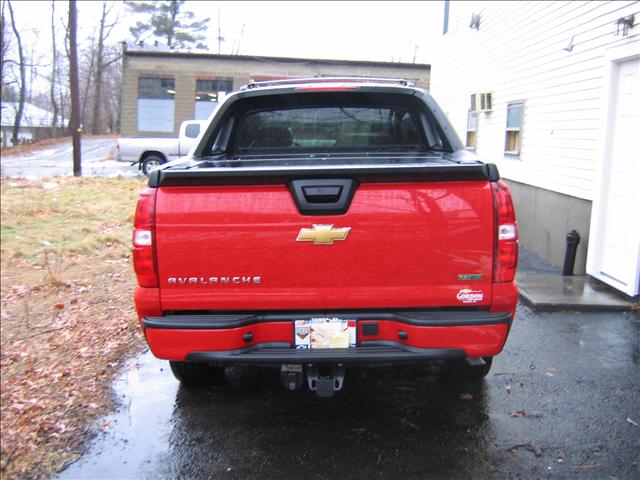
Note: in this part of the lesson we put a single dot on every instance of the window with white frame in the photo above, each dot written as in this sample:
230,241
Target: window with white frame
513,137
156,104
472,129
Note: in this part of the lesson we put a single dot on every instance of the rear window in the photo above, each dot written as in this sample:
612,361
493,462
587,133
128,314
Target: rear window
328,127
192,130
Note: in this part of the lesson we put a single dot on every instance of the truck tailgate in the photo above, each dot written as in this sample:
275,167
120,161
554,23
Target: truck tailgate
422,244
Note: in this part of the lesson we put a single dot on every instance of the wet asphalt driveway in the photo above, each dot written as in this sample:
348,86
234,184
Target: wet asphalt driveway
562,401
57,159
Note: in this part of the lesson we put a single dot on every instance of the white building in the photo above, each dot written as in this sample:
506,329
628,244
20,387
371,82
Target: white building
34,125
555,88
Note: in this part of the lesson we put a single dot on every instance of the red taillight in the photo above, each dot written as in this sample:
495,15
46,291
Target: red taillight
506,252
144,255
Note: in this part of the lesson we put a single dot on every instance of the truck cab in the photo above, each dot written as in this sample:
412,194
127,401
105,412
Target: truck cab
150,152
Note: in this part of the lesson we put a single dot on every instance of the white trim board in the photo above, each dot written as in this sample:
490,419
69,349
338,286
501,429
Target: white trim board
614,57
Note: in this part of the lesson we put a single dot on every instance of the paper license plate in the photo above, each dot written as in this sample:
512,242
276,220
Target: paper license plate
325,332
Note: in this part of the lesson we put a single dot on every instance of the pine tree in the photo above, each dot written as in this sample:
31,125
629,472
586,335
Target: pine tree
169,22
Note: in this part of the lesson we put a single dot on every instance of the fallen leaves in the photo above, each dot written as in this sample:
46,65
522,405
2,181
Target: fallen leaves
522,414
64,331
104,425
56,380
537,450
584,467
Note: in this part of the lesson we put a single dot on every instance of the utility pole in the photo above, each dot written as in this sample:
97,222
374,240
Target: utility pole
220,37
239,40
75,91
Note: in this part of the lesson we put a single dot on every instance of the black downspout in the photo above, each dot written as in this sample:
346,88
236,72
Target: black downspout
573,239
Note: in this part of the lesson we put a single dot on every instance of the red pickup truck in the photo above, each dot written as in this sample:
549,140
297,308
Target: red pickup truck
321,223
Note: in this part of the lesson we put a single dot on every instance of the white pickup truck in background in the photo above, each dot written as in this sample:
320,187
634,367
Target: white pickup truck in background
151,152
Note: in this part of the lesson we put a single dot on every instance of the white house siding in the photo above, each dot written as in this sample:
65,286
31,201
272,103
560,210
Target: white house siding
518,54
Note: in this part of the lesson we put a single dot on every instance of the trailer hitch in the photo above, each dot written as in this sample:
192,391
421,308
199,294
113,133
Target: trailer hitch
325,382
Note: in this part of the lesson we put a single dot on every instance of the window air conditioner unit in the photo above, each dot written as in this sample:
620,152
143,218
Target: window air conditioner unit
481,102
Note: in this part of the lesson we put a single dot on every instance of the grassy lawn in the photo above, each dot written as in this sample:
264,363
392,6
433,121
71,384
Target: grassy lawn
67,317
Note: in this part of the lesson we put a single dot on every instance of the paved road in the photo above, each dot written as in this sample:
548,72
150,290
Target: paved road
58,160
562,401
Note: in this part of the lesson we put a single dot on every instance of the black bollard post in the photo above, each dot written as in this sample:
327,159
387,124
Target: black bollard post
573,239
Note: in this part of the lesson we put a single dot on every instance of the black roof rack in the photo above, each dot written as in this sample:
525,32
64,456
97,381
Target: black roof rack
296,81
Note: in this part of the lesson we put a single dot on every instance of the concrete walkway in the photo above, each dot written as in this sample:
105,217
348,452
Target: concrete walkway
543,287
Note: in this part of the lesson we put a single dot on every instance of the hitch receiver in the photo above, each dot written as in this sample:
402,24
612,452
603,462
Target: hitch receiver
325,385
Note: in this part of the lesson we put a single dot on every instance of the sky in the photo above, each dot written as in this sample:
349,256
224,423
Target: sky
379,31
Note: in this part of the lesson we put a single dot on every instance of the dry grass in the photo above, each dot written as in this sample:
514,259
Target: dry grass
67,317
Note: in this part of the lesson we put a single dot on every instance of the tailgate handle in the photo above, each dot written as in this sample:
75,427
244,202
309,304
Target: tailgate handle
323,196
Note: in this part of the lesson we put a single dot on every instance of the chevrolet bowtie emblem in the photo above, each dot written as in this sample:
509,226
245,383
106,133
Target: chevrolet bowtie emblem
322,234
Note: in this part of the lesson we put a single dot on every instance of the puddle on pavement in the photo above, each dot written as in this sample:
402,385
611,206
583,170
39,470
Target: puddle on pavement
547,393
147,391
163,431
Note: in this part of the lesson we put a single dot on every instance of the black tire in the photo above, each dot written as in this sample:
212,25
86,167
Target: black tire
195,374
151,162
462,371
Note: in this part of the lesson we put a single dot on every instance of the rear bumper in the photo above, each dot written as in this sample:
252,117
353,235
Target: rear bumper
367,352
400,336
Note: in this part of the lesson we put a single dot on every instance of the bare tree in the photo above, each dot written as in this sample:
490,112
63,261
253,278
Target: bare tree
99,69
32,65
21,94
4,46
54,65
64,82
87,72
110,96
101,63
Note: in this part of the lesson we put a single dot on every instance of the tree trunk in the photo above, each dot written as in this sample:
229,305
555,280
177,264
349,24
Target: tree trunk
54,65
4,46
75,91
97,97
19,112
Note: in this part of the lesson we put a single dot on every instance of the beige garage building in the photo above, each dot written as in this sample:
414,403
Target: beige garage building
161,89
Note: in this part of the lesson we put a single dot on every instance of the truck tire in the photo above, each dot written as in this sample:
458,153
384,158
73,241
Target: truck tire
461,371
196,374
151,162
